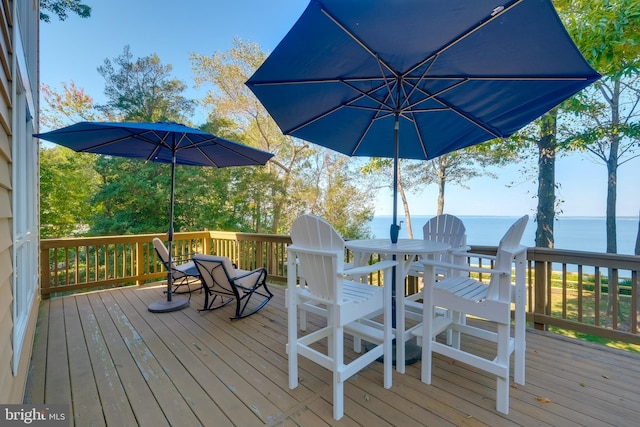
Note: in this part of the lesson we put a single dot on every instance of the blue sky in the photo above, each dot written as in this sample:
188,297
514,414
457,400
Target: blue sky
72,50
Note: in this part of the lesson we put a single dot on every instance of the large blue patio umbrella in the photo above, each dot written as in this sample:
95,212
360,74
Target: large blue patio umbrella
162,142
416,79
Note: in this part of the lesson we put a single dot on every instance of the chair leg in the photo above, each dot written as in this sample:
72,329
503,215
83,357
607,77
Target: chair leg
520,322
292,342
502,358
338,362
427,331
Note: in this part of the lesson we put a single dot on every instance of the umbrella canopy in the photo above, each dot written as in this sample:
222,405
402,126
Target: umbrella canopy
158,142
417,79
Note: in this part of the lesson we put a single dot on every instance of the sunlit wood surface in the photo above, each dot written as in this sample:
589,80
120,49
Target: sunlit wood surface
117,364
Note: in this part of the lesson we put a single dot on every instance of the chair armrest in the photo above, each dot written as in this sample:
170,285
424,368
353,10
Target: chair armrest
184,257
461,250
472,255
366,269
462,267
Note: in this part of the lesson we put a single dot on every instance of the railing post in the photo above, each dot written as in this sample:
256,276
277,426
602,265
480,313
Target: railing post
45,274
139,267
260,255
540,286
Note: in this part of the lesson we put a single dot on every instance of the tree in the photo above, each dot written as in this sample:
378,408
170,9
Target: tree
62,8
134,195
608,34
547,144
454,168
332,193
143,90
72,105
67,183
225,73
67,179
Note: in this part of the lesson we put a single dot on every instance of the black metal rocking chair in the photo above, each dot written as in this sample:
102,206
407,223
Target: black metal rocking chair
185,274
222,280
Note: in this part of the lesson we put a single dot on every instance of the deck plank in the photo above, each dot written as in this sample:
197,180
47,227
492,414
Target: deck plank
202,364
58,385
34,390
145,407
138,341
115,407
191,368
86,401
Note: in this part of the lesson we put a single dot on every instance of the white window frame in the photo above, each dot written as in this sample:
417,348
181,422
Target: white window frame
25,193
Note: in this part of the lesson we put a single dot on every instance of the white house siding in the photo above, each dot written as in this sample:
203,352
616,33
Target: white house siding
19,239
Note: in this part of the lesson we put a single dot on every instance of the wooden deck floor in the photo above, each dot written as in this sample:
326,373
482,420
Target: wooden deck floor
117,364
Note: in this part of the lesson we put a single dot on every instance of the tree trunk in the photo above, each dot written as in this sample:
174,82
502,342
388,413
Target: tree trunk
637,251
612,178
612,171
547,147
442,180
405,205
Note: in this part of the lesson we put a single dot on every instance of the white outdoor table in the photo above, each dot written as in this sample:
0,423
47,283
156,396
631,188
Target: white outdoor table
405,252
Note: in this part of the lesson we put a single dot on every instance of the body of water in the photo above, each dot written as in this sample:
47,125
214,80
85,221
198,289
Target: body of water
577,233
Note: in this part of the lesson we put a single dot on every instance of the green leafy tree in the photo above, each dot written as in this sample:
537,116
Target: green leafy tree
284,191
329,190
608,34
143,90
67,179
134,195
62,8
67,183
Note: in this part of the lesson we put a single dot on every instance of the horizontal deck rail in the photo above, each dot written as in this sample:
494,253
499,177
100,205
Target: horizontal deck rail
591,293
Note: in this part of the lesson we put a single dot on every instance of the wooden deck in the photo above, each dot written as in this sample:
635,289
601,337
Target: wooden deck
120,365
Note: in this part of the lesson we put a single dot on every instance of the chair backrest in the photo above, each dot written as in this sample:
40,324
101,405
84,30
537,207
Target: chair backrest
163,252
320,257
216,272
500,286
446,228
311,231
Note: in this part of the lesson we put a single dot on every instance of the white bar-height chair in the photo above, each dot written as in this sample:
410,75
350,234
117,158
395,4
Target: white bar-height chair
489,302
449,229
443,228
349,306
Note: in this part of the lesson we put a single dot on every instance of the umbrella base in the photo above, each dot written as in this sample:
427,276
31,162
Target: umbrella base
164,306
412,352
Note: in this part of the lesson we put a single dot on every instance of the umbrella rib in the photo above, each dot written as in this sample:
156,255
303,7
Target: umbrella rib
339,107
415,86
357,40
464,35
114,141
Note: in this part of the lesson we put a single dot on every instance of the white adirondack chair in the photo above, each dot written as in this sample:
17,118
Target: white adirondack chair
447,229
490,302
316,261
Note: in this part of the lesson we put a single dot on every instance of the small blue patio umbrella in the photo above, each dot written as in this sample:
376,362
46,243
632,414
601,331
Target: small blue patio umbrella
416,79
162,142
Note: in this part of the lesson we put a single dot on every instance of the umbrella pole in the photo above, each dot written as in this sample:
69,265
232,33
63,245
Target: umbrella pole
178,303
394,231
